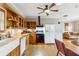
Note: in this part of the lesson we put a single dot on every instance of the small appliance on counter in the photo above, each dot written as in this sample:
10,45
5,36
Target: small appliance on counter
40,31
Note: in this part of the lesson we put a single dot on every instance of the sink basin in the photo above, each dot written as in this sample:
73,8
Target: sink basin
2,44
5,41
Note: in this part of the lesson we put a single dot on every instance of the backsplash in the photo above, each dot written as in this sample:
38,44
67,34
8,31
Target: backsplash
12,32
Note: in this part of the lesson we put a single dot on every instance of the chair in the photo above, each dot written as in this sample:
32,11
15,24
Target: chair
65,51
66,35
70,53
69,35
60,47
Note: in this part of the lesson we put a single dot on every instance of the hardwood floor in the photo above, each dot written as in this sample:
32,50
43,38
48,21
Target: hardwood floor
41,50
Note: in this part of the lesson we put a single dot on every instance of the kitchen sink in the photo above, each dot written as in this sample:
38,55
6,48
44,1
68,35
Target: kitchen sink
5,41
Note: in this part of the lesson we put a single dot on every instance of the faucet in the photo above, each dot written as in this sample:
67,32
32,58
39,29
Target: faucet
8,35
0,37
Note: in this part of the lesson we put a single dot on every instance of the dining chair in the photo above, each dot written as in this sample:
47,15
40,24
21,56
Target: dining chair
68,52
65,51
60,47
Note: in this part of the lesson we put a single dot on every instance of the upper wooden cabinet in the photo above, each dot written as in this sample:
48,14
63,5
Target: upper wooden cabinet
25,24
21,22
13,20
31,24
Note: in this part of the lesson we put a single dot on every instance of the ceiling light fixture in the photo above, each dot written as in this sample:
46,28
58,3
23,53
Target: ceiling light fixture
47,11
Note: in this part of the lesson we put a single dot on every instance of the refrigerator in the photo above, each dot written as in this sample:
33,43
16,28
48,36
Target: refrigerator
49,33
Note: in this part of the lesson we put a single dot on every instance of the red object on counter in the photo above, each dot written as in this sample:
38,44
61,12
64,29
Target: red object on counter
23,32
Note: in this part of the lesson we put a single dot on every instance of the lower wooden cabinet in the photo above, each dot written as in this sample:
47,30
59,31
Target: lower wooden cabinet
32,38
15,52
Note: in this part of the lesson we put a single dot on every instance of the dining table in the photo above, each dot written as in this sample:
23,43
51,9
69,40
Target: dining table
73,47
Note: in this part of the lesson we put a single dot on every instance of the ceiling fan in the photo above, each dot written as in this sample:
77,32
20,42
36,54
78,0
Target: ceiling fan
47,9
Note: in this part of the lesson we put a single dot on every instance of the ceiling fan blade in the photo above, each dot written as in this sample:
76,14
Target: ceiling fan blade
40,8
54,10
53,4
40,12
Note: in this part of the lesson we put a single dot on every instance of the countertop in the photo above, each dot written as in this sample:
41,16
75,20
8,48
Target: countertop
8,44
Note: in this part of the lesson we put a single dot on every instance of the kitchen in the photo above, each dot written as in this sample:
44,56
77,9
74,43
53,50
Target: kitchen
19,34
12,41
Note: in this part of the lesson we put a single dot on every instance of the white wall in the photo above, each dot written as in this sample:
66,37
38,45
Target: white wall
48,21
43,21
59,29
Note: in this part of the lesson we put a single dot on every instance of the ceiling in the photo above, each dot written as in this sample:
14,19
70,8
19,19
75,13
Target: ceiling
29,10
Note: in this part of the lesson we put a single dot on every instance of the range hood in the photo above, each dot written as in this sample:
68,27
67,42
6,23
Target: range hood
39,20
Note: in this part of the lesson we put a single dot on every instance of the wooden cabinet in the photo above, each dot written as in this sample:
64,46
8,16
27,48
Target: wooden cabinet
15,52
21,22
14,20
27,43
25,24
32,38
31,24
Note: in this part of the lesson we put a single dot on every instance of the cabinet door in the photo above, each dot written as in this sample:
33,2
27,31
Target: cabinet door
12,53
15,52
